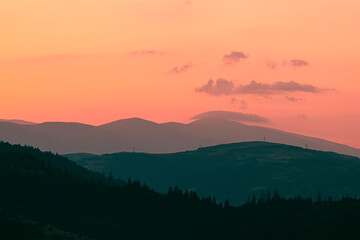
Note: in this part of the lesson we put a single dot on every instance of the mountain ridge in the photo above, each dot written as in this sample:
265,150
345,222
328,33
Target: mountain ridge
18,121
136,134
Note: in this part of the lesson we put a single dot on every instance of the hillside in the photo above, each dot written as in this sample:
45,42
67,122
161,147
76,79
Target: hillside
236,171
25,156
104,210
140,135
13,227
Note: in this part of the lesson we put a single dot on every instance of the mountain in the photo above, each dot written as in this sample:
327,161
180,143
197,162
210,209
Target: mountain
63,137
22,122
32,187
140,135
236,171
225,131
148,136
30,157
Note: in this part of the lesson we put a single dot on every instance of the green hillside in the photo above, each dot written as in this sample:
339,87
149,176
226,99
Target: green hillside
236,171
102,209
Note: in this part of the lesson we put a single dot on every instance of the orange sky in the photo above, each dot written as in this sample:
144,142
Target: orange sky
95,61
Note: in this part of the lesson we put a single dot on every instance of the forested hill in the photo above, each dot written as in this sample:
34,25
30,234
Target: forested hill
103,210
236,171
13,227
25,156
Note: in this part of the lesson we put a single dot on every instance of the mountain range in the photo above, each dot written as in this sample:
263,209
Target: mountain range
141,135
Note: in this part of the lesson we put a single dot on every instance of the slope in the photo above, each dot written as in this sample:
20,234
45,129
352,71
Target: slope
32,188
13,227
236,171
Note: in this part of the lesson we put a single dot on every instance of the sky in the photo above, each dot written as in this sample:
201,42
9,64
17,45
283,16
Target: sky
293,63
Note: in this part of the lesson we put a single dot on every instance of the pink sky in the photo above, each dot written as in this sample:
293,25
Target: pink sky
96,61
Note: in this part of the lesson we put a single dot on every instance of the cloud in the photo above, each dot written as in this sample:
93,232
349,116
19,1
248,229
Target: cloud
61,57
46,59
221,87
293,99
232,116
182,68
298,63
241,105
145,52
225,87
271,64
234,57
302,116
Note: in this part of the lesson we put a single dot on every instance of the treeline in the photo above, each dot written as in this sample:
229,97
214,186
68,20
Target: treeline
101,208
13,227
26,156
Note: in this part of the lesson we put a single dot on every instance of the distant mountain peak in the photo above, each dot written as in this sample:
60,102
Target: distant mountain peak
17,121
232,116
135,120
215,120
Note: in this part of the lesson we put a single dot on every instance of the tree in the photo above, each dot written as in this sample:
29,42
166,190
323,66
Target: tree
319,197
227,204
253,200
276,196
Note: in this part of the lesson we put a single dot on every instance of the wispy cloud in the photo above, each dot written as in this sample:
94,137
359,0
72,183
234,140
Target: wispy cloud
293,62
61,57
234,57
294,99
226,87
181,69
145,52
298,63
239,104
242,104
271,64
46,58
232,116
302,116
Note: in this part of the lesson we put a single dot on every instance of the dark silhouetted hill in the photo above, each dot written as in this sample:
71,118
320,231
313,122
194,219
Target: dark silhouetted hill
236,171
13,227
26,156
30,186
